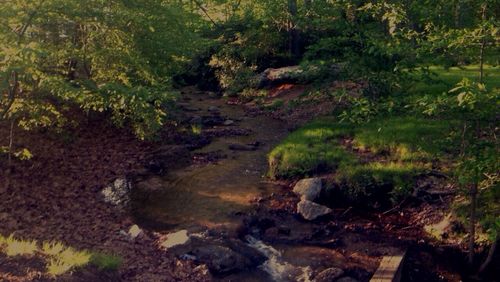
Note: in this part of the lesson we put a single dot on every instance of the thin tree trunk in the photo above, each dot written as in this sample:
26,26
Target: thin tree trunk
205,11
483,45
11,143
473,202
293,31
472,222
489,258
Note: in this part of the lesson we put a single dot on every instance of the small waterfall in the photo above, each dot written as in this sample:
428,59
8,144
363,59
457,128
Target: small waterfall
279,270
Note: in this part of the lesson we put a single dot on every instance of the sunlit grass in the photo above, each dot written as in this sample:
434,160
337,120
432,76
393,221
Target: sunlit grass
52,248
64,258
196,129
311,149
60,258
405,138
17,247
317,147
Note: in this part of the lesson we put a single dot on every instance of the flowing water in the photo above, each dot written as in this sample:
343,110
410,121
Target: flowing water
210,195
187,201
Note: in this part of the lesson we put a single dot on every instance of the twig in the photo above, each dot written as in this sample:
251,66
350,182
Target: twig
346,211
395,207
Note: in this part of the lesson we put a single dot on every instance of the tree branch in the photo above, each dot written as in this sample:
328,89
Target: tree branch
205,11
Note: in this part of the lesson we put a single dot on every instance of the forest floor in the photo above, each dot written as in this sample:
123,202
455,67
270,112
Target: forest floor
56,197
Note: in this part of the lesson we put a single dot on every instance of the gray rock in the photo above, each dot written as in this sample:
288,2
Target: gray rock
310,210
213,109
118,192
329,275
174,239
293,74
308,189
228,122
135,231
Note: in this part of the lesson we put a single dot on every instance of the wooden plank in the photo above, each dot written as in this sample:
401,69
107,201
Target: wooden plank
390,269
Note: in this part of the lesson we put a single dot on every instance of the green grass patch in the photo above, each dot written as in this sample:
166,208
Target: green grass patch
400,149
311,149
378,183
316,147
405,138
106,261
447,78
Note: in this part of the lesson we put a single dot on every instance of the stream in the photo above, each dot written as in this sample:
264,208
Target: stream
213,196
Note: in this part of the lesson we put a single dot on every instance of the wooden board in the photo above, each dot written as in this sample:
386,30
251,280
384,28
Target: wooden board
390,269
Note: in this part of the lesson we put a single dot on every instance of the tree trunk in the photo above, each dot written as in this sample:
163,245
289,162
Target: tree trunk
294,34
489,258
472,222
473,199
11,145
483,45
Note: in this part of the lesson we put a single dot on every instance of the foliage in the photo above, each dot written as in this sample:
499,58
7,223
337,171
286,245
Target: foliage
95,55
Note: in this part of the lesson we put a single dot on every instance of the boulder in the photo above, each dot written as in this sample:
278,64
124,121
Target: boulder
221,259
310,210
118,192
175,239
271,77
329,275
309,188
294,74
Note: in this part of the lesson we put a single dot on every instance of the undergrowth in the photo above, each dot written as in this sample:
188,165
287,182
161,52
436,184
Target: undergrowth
58,257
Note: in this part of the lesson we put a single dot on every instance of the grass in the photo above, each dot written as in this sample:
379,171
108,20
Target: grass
317,147
446,78
404,138
311,149
105,261
14,247
401,145
59,258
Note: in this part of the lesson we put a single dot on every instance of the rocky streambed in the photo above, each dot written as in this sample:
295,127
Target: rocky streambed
221,211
